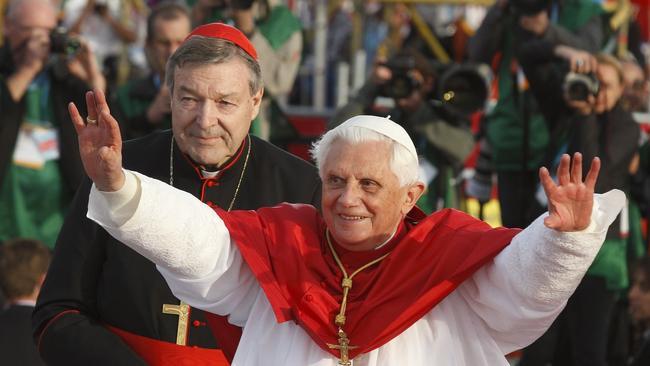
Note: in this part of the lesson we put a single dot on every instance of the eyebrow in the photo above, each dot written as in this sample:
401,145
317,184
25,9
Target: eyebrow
183,88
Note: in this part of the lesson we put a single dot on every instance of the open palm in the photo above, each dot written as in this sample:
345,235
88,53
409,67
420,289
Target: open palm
100,143
570,201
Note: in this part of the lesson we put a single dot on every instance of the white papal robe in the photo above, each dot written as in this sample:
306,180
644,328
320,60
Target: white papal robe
503,307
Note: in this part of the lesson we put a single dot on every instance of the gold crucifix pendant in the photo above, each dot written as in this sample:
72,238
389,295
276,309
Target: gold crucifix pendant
344,347
183,312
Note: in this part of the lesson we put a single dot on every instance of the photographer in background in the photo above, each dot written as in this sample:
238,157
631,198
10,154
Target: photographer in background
108,26
443,138
143,105
41,71
597,125
517,133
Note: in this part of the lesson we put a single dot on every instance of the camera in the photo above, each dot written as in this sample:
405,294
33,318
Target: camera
61,42
529,7
463,89
579,87
402,83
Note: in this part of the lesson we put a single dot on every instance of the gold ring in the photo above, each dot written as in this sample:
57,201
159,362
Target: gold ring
91,121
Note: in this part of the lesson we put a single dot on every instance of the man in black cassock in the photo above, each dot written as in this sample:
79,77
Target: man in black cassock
102,303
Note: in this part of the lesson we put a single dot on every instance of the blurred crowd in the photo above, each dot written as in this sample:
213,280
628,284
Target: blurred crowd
489,94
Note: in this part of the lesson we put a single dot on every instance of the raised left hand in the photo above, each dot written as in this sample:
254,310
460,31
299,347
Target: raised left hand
571,200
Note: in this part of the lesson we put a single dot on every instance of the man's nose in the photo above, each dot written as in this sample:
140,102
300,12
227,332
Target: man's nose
350,195
207,114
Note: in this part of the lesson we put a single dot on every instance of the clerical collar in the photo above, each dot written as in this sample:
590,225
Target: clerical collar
207,174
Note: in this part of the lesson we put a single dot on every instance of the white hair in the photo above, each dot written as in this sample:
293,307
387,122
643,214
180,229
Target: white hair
402,162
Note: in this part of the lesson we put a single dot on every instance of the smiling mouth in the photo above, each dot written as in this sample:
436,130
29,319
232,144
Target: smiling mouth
351,218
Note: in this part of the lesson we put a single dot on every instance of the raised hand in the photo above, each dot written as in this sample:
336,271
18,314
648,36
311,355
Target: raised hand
100,143
571,200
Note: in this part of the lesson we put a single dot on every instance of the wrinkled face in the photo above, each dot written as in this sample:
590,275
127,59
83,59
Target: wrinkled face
611,88
362,199
31,22
168,35
639,297
212,109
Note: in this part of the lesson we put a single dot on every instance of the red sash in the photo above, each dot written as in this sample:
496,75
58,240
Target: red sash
284,247
160,353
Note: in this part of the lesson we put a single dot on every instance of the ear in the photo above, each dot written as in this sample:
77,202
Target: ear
38,285
413,193
257,102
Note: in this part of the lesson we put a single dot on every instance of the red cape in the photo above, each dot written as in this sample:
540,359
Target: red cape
285,248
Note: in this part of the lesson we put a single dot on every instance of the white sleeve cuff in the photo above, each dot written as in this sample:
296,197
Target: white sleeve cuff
116,207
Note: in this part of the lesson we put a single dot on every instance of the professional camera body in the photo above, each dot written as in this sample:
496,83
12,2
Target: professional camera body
61,42
579,87
402,83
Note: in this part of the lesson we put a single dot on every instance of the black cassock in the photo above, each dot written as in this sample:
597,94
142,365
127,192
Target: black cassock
16,346
95,281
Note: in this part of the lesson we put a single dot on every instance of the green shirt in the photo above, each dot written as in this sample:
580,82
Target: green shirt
31,198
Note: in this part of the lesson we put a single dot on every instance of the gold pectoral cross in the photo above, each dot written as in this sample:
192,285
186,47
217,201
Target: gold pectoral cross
183,312
344,347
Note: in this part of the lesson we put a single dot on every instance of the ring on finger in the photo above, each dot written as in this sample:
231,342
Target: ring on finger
91,121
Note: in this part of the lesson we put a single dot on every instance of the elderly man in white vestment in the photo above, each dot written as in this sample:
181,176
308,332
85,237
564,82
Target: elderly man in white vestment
370,281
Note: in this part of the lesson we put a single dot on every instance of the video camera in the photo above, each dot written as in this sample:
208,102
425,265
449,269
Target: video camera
61,42
463,89
579,87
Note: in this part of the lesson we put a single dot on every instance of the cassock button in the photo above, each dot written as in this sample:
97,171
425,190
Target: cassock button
309,298
209,203
197,323
211,183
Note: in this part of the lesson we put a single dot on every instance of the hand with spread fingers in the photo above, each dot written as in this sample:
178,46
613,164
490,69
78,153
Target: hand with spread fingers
100,143
570,201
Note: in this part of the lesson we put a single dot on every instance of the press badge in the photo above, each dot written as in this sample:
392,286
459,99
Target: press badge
36,145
